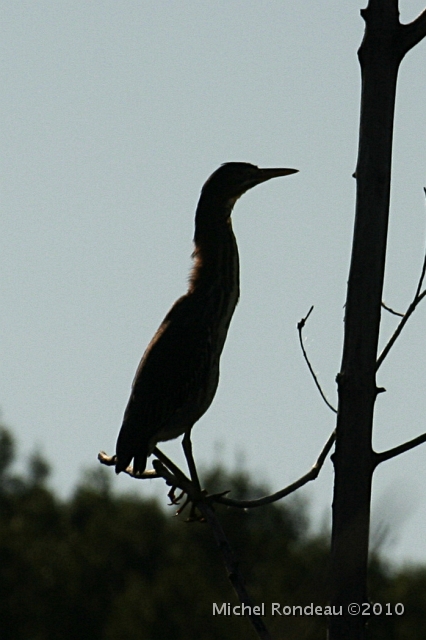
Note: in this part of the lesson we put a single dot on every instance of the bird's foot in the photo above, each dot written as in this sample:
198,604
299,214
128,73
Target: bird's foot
174,499
194,516
193,500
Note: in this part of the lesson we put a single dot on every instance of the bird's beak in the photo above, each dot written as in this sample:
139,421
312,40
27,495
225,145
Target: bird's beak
267,174
259,176
262,175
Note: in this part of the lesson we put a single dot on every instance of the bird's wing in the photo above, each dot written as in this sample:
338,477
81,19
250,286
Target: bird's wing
175,366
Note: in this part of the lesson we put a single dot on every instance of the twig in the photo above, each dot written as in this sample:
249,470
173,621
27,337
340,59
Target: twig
418,297
396,451
300,326
311,475
177,478
110,461
234,574
395,313
166,468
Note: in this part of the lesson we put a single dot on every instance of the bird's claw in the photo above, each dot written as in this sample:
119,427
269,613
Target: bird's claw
193,516
202,496
205,497
175,500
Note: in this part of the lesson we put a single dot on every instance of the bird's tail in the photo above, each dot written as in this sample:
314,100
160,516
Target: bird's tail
127,449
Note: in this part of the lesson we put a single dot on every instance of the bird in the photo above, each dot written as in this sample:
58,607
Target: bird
178,375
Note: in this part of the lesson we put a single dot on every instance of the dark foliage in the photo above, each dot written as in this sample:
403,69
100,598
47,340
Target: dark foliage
100,566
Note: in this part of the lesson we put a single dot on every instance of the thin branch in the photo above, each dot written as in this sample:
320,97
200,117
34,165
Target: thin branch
170,472
300,326
311,475
175,477
414,32
395,313
166,469
234,574
422,275
110,461
396,451
417,299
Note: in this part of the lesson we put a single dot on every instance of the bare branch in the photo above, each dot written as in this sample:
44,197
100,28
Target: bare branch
311,475
175,477
202,502
234,574
395,313
105,459
110,461
418,298
422,275
396,451
300,326
414,32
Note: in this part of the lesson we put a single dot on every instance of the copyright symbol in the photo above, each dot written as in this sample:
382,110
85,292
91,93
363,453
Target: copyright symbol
353,609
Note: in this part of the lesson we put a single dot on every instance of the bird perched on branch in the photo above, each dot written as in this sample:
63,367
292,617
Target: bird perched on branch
178,375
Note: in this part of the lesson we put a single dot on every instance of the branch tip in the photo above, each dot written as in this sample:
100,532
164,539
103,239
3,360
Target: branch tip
300,326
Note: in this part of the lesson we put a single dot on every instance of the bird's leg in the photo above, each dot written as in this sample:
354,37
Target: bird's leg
187,449
174,499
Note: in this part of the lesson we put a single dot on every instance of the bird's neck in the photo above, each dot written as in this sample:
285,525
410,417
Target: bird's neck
216,263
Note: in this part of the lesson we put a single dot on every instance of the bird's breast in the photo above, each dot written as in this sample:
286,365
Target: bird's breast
217,280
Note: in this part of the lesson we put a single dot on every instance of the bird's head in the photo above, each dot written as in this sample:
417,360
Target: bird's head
232,179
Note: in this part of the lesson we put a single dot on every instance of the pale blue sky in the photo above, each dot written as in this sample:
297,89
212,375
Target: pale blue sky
112,117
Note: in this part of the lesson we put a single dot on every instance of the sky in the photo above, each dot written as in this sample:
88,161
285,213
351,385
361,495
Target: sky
112,117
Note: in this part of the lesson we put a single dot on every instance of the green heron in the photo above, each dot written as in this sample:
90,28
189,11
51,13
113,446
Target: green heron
178,375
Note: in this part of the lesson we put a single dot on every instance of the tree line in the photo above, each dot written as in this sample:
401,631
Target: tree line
101,565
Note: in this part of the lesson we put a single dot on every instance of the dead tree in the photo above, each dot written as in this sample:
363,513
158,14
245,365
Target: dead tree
385,43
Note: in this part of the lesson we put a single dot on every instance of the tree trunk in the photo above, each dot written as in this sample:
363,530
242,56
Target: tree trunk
384,45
